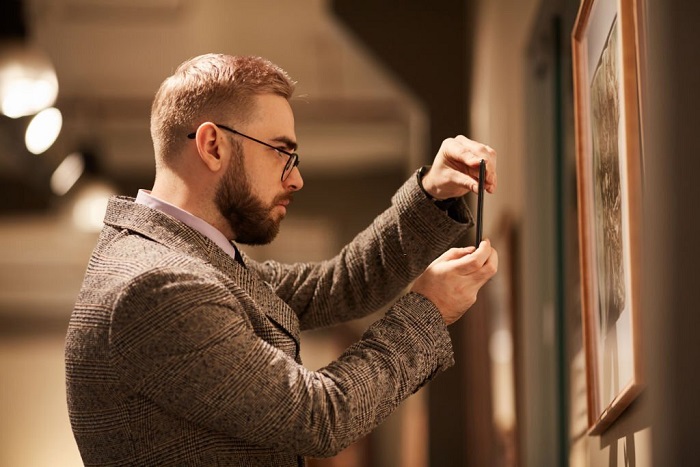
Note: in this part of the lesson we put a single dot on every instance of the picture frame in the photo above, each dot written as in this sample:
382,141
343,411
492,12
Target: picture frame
606,55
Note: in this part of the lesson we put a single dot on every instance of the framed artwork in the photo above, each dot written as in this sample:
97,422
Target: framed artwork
609,173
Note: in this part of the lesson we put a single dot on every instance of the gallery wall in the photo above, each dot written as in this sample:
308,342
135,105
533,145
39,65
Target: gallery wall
658,427
522,105
671,292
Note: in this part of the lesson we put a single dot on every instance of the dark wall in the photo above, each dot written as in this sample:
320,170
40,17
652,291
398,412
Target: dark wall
426,46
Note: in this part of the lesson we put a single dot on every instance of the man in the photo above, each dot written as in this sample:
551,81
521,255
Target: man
182,351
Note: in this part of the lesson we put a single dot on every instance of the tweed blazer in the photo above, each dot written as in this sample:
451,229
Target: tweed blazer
178,355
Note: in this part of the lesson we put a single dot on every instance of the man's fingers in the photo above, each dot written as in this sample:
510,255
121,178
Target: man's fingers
456,150
470,263
490,182
491,265
466,181
456,253
468,154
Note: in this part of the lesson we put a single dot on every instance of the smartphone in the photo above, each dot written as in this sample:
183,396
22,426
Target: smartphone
480,203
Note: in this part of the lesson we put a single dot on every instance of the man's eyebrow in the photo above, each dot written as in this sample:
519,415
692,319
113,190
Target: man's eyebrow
289,143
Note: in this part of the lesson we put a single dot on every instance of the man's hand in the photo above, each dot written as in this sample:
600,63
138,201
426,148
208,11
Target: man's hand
455,170
453,280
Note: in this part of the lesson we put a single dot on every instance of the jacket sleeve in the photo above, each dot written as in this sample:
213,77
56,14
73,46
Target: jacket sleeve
375,267
186,344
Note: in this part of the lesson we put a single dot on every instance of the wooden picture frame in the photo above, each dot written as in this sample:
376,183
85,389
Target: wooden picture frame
606,54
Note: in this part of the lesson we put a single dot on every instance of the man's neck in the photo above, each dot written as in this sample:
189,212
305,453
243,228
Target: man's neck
197,201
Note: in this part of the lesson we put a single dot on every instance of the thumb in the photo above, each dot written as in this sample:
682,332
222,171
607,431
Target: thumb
466,181
456,253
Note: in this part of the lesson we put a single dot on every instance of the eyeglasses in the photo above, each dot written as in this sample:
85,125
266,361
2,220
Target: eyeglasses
293,157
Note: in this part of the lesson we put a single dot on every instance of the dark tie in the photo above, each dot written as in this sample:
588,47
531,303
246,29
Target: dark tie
239,256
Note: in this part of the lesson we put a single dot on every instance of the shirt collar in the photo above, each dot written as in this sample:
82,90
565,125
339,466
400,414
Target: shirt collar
145,198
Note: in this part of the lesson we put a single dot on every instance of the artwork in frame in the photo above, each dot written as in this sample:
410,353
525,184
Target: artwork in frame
609,172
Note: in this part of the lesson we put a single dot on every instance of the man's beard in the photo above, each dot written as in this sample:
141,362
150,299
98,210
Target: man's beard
249,218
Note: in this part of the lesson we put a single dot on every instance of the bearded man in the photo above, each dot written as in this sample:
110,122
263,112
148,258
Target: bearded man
181,350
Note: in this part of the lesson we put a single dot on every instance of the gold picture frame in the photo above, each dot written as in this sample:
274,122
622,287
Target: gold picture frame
606,53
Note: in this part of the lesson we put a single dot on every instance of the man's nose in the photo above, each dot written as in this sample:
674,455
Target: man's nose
294,182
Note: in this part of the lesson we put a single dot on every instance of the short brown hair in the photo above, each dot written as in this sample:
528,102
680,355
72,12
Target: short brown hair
210,87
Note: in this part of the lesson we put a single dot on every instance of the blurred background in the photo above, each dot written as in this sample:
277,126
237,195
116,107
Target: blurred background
380,85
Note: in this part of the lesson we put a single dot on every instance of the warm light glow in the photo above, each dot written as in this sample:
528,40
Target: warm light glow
24,96
502,379
28,82
90,207
67,173
501,346
43,130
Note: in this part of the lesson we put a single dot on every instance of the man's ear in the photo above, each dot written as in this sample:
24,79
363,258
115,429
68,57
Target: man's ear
208,147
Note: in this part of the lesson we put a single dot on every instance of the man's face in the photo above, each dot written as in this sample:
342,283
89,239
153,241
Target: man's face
251,194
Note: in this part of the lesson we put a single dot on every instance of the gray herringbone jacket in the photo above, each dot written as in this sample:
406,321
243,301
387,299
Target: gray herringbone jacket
177,355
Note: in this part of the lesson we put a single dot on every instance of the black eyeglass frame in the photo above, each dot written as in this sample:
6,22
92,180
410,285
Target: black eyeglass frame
293,157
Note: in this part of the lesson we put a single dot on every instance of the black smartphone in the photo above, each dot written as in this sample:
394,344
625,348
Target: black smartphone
480,203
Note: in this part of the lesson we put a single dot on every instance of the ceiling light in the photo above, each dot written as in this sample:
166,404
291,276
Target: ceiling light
67,173
43,130
28,80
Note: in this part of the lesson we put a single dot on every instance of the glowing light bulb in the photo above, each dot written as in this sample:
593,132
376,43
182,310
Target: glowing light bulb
28,82
43,130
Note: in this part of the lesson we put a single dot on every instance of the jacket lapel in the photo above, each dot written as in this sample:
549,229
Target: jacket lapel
260,291
123,212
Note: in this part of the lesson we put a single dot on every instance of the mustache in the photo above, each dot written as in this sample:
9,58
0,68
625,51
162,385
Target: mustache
289,197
